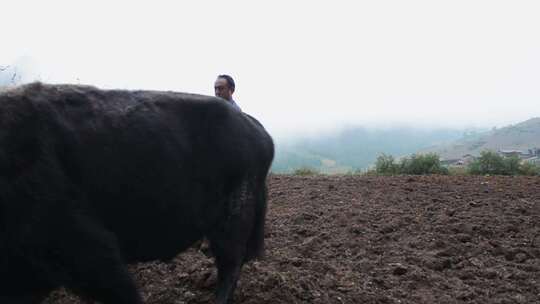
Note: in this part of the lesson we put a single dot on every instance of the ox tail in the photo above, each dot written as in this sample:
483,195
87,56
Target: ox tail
255,246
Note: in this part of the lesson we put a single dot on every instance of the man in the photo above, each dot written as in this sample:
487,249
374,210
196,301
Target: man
224,88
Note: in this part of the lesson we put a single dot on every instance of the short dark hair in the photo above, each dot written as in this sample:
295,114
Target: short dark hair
229,79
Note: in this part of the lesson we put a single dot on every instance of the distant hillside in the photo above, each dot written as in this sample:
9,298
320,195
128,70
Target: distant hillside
355,148
521,136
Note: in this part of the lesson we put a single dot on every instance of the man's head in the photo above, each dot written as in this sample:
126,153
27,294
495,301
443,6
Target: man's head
224,87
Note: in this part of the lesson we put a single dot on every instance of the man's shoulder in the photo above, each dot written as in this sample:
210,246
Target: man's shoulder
233,103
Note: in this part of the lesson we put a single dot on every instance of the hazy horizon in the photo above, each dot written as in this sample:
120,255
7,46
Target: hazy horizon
301,67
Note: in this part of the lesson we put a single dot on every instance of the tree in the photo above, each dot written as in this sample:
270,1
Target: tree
385,165
419,164
492,163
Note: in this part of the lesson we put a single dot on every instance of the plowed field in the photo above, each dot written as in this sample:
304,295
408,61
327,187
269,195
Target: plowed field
361,239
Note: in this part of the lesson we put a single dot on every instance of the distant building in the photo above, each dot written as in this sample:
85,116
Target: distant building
534,151
535,160
450,162
529,156
465,160
511,153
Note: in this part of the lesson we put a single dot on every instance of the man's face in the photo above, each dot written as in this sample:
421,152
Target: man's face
221,89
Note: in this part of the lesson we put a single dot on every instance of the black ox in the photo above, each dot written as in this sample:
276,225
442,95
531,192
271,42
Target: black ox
93,179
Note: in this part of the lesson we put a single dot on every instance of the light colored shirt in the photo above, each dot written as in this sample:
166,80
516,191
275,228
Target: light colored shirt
234,105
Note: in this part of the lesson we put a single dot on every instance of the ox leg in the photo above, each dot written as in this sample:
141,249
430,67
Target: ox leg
229,248
93,264
229,258
229,242
109,283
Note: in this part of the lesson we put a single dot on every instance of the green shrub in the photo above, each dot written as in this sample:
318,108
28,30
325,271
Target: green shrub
489,162
305,171
529,169
420,164
511,165
385,165
356,171
457,171
417,164
492,163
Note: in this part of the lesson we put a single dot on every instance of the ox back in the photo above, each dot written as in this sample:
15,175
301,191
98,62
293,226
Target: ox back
93,179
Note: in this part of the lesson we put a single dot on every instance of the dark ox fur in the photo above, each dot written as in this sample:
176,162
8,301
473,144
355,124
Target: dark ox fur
91,180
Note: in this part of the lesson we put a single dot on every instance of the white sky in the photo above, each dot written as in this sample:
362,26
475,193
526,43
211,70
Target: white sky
299,65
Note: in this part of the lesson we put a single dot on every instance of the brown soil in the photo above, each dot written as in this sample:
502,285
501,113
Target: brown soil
358,239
